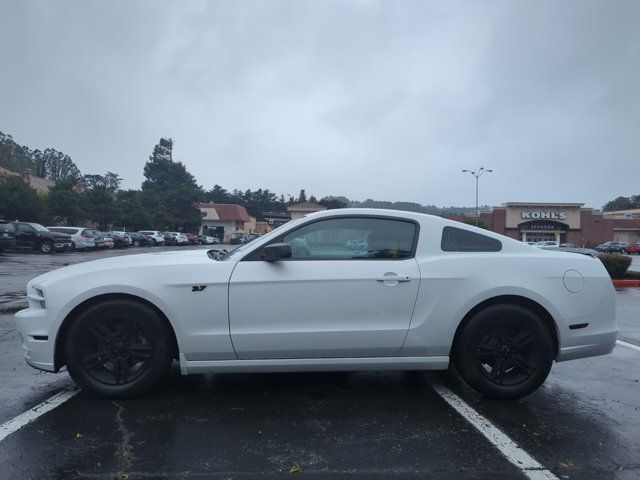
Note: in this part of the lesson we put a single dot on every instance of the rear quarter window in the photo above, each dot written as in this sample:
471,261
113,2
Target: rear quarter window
460,240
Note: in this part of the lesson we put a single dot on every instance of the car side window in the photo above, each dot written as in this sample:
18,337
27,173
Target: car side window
461,240
21,227
352,238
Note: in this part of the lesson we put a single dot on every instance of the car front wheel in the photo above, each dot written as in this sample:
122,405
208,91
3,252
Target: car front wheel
118,349
505,351
46,246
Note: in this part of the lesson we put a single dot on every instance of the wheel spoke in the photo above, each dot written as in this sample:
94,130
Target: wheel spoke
486,350
522,340
120,370
96,359
498,369
501,332
141,352
101,333
129,330
521,364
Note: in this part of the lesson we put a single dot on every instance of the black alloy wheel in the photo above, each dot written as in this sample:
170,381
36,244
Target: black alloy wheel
505,351
118,348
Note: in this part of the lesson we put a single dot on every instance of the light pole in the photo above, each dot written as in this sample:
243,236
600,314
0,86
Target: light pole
477,174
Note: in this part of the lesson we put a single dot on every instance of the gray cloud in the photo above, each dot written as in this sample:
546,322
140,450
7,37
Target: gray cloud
385,100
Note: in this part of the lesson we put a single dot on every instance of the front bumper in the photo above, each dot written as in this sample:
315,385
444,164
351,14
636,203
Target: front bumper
38,345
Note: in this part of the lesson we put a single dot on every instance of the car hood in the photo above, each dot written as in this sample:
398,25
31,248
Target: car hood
125,263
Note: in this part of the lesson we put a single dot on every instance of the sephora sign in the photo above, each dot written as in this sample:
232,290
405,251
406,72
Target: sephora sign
537,215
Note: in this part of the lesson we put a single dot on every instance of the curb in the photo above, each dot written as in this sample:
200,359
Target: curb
622,283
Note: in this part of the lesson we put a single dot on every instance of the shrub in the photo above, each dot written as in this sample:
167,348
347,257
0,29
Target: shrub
615,264
632,275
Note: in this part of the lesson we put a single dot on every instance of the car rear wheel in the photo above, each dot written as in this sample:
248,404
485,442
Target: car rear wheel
505,351
118,349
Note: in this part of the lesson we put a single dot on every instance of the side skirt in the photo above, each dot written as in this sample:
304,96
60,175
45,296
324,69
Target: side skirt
314,364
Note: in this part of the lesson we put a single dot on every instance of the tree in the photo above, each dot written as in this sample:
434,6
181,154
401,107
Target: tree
65,203
172,189
110,181
14,157
332,203
622,203
18,201
99,206
302,197
134,210
60,166
313,199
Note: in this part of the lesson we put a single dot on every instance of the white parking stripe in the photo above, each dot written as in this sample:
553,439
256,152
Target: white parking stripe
628,345
517,456
29,416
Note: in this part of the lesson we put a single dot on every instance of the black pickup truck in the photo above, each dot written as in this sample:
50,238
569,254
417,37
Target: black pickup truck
36,237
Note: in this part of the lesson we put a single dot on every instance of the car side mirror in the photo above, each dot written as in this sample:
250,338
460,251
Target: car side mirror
276,251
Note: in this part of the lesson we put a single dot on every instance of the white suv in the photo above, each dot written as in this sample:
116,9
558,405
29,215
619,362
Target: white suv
156,236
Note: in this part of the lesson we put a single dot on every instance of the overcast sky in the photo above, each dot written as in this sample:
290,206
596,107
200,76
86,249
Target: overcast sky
384,100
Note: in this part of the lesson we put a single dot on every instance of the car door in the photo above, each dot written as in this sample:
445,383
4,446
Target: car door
328,299
25,235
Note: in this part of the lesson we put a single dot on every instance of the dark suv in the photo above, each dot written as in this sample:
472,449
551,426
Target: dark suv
7,235
36,237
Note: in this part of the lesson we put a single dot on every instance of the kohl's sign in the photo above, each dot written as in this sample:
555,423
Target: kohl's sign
535,215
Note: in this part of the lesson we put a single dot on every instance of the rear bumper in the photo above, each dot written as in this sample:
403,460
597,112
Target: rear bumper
590,346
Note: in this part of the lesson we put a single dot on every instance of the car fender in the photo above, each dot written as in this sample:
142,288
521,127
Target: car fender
117,289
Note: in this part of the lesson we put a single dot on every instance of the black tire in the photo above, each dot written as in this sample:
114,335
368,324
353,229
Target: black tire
505,351
46,247
136,243
118,349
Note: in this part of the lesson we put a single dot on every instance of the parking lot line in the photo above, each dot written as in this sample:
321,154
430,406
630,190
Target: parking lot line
628,345
512,452
29,416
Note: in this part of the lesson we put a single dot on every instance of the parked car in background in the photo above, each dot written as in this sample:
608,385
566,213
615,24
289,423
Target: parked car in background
108,239
121,239
141,240
7,235
98,239
156,236
205,240
81,237
176,238
633,248
193,239
548,243
568,245
612,247
36,237
356,244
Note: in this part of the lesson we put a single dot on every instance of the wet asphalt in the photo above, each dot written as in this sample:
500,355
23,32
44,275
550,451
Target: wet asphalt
583,423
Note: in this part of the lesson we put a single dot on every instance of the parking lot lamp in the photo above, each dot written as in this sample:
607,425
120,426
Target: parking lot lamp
477,174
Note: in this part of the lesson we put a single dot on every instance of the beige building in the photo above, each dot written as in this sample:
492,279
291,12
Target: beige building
298,210
225,220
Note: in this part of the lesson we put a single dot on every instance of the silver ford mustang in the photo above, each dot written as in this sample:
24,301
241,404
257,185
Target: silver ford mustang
352,289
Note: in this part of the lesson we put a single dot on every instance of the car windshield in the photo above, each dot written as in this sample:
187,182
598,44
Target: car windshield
38,227
234,254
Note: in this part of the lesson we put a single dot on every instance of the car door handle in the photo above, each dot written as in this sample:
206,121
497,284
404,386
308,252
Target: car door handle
394,278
